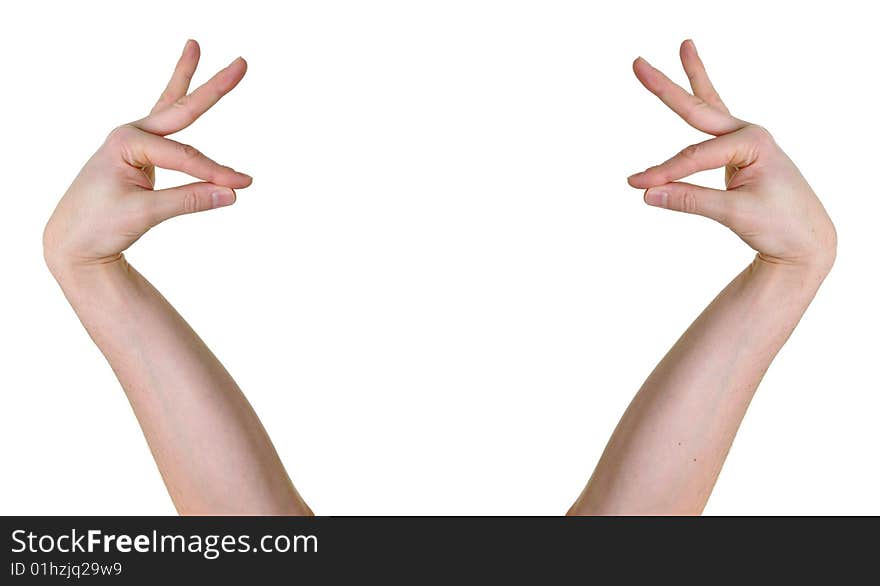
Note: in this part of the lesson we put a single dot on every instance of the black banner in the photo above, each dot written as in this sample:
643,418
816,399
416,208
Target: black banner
458,549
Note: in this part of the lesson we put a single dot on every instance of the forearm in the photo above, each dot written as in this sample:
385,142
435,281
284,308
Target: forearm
668,449
209,445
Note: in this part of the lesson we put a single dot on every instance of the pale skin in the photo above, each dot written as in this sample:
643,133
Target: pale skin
209,445
668,449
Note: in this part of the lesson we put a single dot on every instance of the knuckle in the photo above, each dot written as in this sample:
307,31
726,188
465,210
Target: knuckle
189,151
758,134
184,105
191,203
687,202
121,135
694,110
690,152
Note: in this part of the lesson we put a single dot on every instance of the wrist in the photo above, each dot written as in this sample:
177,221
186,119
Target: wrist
817,263
64,254
813,257
69,271
805,274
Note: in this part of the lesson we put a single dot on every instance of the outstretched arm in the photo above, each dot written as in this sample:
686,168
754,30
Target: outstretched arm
213,453
668,449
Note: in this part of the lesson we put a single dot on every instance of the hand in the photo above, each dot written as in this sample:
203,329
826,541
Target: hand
767,202
112,203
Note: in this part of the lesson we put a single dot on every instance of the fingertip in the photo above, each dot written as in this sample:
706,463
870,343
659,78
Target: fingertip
687,48
238,179
238,63
643,70
232,179
234,72
640,180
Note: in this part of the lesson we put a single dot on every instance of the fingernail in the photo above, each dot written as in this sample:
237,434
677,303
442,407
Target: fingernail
656,197
633,175
222,197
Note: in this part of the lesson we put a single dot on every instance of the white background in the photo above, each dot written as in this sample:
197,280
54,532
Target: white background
440,294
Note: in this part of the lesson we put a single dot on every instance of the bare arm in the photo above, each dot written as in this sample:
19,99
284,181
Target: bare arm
213,453
669,447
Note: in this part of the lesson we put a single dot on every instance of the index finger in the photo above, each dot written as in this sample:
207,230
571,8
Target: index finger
139,149
693,110
186,110
738,149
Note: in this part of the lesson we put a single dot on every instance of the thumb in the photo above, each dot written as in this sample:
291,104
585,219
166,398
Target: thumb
188,199
692,199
